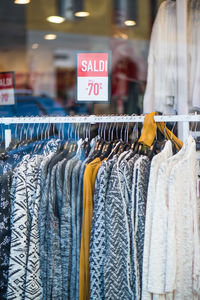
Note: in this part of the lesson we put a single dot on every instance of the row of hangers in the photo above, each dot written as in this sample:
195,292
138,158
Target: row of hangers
112,136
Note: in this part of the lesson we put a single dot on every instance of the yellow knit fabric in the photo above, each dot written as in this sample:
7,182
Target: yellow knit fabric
88,192
149,132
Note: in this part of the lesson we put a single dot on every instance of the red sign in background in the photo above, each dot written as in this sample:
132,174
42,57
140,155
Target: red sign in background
7,88
6,80
92,65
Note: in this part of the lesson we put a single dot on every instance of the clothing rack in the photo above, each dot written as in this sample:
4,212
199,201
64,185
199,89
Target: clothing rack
93,119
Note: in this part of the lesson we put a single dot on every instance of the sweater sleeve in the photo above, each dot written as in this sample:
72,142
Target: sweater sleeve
171,236
156,276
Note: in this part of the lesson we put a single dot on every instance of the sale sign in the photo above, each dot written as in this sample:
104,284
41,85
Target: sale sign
93,77
7,88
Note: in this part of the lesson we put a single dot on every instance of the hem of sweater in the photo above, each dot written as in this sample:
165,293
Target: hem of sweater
156,296
196,285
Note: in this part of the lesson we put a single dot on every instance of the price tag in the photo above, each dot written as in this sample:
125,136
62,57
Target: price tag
93,77
7,88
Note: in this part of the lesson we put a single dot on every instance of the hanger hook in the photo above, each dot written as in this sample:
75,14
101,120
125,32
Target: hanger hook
38,131
121,131
99,126
133,132
59,131
54,130
71,131
88,134
25,132
127,133
49,132
31,131
46,131
112,131
117,131
2,135
42,131
124,132
89,130
68,130
85,130
16,128
196,127
109,132
101,129
104,132
20,137
63,131
77,130
28,129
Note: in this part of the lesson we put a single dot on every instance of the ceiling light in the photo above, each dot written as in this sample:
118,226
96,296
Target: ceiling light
71,9
22,1
130,23
35,46
82,14
50,36
56,19
125,12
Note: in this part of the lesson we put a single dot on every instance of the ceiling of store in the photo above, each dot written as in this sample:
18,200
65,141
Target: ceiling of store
100,21
17,20
12,25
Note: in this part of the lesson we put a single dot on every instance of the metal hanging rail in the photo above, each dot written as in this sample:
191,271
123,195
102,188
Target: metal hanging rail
93,119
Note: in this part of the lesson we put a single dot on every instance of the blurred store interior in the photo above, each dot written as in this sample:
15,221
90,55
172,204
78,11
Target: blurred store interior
41,50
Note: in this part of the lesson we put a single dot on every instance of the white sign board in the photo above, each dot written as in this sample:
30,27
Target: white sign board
93,77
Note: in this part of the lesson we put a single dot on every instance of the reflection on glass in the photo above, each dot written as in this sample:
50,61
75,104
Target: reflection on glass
82,14
22,1
40,41
50,36
130,23
35,46
55,19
